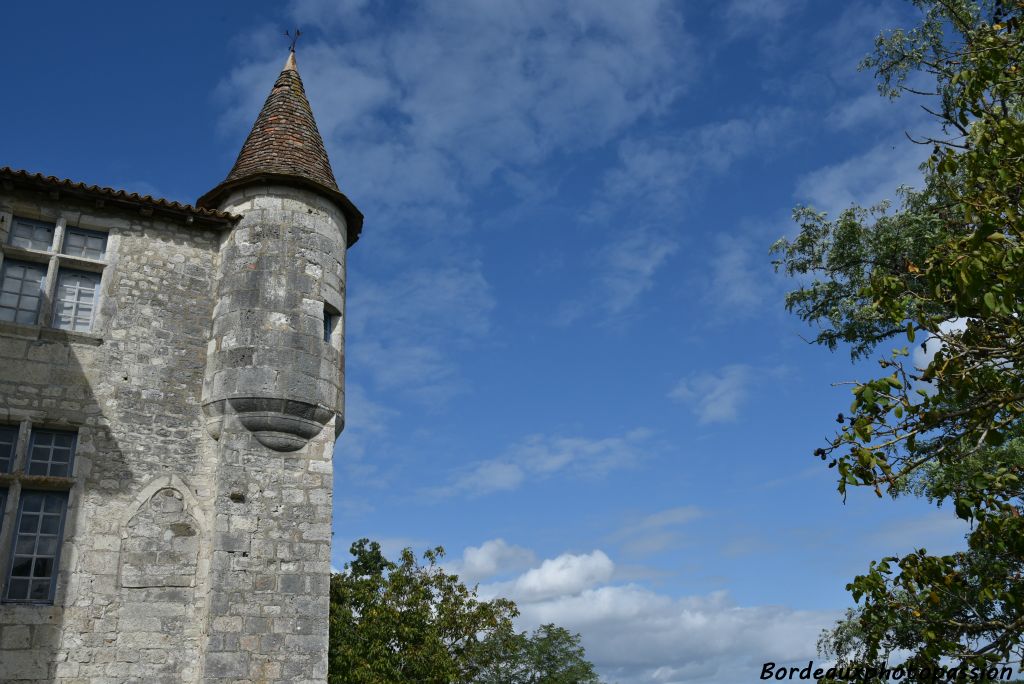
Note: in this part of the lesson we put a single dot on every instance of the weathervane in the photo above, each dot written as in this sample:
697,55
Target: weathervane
294,38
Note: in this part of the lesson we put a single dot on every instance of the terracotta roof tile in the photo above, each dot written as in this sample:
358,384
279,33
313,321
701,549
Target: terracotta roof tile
21,177
285,145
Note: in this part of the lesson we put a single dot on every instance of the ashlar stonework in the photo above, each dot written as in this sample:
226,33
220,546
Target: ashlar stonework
171,388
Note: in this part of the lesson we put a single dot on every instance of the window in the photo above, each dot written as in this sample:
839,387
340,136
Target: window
21,291
85,243
51,453
76,299
8,441
63,292
31,234
35,524
330,321
36,546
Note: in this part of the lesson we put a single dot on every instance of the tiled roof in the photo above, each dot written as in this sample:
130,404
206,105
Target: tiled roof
285,145
10,177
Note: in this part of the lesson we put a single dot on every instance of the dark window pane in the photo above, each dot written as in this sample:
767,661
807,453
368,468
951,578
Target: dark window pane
50,524
36,547
29,523
18,590
43,567
8,442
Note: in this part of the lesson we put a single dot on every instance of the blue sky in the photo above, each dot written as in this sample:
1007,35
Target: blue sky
568,359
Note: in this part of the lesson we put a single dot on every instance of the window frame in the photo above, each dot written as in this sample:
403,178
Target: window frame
87,233
54,260
12,457
37,223
58,300
14,486
13,555
41,297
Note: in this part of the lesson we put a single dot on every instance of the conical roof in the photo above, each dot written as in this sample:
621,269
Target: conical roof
285,146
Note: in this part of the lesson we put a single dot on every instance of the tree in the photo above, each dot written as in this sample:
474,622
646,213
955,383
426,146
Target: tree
550,655
407,621
946,269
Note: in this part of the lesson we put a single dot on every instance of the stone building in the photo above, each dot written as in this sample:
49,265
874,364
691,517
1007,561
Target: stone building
171,387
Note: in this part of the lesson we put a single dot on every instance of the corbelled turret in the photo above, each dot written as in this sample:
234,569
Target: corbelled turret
273,385
275,360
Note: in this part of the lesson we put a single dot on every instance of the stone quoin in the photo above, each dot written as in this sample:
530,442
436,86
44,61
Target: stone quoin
171,388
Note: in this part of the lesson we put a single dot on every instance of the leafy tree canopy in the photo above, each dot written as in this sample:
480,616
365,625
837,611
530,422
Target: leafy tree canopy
408,621
947,269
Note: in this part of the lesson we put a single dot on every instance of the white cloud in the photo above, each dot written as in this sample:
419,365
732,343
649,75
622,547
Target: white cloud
715,397
565,575
925,352
493,557
864,180
427,100
540,456
635,635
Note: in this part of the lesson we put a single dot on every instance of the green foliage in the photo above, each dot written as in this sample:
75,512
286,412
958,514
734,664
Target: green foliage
946,268
551,655
412,622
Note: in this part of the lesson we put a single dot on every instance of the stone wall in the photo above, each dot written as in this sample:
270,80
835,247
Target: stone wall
273,397
142,495
206,399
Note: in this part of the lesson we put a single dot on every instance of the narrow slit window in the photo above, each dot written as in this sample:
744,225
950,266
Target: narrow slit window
8,441
51,453
21,291
36,548
90,244
75,307
330,323
31,234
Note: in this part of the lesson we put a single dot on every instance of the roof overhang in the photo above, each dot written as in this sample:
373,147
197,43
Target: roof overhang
353,217
11,179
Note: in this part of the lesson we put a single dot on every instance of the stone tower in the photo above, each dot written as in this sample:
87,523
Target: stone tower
273,393
172,385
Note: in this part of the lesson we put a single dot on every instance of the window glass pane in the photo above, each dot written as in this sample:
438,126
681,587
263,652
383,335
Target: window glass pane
20,290
85,243
75,293
31,234
50,453
8,442
3,506
36,547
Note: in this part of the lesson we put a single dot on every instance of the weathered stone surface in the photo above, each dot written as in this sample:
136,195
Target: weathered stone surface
206,400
